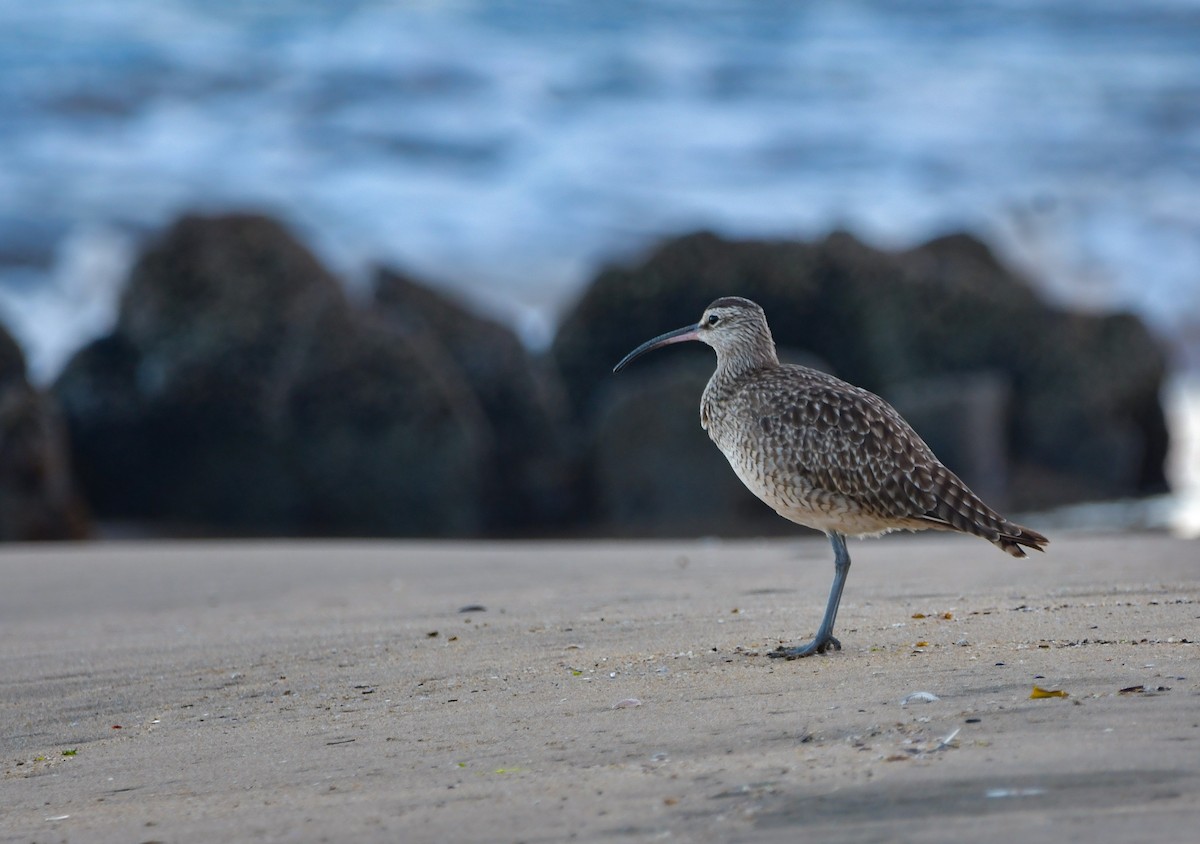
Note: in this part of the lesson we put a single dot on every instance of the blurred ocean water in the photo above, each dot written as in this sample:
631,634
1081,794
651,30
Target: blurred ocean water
507,148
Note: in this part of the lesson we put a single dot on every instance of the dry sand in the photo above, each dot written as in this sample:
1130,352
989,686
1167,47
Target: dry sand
340,691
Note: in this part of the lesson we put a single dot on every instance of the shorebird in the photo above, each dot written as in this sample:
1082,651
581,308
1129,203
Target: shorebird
823,453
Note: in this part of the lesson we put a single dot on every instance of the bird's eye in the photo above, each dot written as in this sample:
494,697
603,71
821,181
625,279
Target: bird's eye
713,319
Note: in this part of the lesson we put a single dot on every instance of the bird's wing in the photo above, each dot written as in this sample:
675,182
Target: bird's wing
828,439
842,440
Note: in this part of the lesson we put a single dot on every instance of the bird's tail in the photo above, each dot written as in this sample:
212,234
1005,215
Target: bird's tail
962,510
1012,537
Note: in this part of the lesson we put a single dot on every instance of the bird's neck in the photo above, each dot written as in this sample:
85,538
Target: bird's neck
725,382
733,363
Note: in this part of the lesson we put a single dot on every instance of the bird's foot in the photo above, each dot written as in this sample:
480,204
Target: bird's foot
816,646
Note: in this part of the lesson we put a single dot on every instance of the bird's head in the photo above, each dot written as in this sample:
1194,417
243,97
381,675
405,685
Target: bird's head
736,328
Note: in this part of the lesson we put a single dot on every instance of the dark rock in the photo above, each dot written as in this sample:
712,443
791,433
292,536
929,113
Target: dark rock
111,430
37,492
1083,421
530,472
240,391
383,436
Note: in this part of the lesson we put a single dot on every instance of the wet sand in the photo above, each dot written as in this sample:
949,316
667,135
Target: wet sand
393,691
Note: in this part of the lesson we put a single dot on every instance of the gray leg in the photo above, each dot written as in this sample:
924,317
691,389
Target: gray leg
824,638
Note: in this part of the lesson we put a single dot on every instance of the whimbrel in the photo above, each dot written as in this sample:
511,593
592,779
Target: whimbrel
823,453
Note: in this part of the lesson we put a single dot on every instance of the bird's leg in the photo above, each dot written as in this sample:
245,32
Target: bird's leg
824,638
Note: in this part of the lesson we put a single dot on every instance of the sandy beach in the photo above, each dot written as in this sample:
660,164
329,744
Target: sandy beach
400,691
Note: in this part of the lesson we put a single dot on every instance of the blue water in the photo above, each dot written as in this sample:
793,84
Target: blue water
506,149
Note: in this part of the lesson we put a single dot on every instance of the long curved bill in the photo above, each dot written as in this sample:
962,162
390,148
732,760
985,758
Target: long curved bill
679,335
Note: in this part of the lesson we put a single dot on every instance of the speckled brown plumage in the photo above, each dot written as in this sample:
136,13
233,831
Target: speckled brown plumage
824,453
831,456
